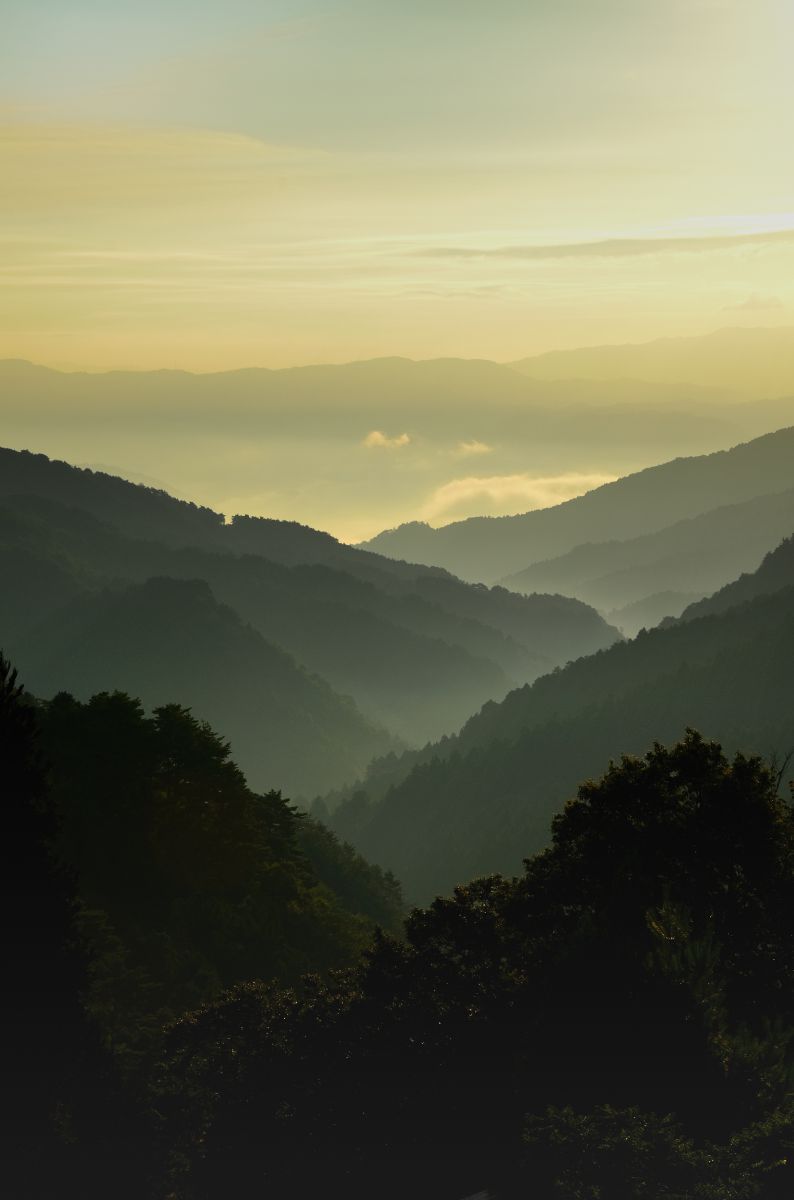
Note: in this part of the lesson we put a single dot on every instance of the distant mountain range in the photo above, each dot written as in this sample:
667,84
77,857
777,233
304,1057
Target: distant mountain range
475,803
109,584
645,502
294,442
756,362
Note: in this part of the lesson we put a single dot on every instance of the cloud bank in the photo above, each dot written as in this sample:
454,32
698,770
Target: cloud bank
500,495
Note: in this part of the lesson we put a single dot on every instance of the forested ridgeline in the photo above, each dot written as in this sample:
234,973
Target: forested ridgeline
416,649
775,573
473,803
616,1021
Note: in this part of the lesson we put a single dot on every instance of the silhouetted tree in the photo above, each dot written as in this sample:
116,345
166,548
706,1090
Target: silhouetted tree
641,966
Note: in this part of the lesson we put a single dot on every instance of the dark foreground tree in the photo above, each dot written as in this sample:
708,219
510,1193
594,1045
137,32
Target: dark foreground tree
67,1130
616,1023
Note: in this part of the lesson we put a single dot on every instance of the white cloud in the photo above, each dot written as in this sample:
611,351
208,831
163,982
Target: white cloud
472,448
376,440
499,495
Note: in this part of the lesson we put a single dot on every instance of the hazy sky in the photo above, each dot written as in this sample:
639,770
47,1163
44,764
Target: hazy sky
203,184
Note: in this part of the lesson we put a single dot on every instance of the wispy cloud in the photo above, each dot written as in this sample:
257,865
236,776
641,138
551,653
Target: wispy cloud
755,303
501,494
377,440
615,247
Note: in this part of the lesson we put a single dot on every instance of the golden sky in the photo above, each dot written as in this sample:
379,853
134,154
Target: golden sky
273,183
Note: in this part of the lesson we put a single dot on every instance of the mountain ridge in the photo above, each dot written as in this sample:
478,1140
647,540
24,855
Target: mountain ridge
636,504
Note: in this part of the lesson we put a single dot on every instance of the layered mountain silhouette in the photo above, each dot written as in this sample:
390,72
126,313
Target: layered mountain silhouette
775,574
294,442
488,548
417,650
475,803
637,578
171,637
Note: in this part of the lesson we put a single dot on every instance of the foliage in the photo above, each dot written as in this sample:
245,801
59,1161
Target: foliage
231,891
617,1022
470,804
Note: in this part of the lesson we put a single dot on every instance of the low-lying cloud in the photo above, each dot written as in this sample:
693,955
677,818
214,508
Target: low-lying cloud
377,440
500,495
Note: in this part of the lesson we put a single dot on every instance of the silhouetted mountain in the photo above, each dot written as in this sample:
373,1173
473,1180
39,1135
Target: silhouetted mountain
417,649
134,509
476,802
696,555
491,547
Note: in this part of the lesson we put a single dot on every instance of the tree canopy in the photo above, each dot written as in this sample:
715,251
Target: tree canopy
621,1013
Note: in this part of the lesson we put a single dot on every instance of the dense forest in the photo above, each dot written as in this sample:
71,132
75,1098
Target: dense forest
619,1012
145,877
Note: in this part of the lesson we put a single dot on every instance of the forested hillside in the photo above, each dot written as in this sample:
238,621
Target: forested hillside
172,638
775,573
464,806
416,649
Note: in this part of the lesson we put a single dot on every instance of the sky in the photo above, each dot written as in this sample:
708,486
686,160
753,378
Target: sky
280,182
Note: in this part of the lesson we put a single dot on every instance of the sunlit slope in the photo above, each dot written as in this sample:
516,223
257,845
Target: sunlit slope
645,502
